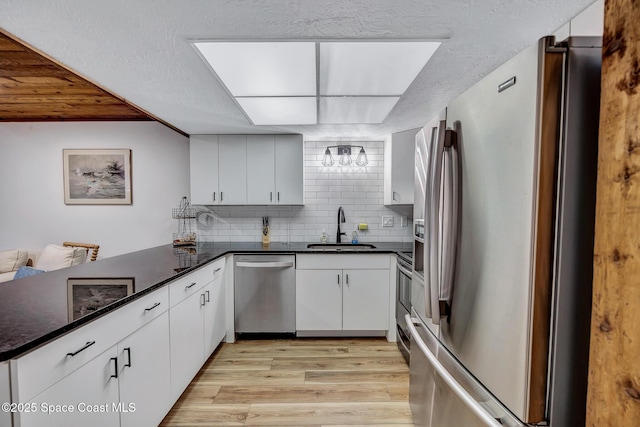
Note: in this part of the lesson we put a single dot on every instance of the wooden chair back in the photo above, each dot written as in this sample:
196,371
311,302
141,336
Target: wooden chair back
87,246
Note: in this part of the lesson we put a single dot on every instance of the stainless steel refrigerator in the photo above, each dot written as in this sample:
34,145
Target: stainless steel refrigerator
501,307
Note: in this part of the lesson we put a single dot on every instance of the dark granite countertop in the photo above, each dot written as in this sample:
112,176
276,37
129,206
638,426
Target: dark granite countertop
35,310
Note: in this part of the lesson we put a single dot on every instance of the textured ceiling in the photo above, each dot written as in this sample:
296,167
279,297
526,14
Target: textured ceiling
140,49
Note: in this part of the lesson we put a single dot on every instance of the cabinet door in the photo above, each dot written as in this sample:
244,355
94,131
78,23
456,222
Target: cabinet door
365,300
319,300
203,152
232,175
215,326
261,170
289,170
399,154
90,390
145,374
5,393
187,341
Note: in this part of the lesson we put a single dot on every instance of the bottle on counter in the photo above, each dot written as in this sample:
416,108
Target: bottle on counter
354,237
323,237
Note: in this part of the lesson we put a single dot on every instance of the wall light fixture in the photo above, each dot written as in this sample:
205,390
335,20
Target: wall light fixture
344,153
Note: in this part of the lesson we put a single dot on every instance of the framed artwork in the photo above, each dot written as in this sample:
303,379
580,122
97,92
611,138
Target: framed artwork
86,295
97,177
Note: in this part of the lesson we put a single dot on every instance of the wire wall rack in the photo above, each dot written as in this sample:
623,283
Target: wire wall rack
185,214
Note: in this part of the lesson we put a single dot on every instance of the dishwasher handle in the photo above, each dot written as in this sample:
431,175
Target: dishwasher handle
272,264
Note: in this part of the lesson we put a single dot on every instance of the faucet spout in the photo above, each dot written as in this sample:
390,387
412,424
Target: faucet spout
341,218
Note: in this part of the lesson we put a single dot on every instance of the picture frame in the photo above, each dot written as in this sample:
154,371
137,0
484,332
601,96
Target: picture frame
97,176
87,295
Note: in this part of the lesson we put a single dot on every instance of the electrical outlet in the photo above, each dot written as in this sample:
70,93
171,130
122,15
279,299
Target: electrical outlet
387,221
403,221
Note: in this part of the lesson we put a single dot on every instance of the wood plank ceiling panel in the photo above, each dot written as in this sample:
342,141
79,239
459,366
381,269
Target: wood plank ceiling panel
34,87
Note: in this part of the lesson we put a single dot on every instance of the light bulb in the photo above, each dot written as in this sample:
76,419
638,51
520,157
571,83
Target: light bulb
345,159
327,160
362,160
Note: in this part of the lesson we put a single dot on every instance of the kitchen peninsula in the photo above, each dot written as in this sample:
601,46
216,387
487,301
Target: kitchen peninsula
51,354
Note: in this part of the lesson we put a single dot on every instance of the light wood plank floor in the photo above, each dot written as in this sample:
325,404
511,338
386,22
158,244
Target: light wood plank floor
298,382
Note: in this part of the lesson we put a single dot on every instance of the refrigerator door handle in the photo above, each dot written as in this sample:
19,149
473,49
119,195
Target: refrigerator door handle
451,219
442,372
435,223
427,220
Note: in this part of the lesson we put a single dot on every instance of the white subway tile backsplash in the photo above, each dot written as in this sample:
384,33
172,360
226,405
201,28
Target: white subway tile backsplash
359,190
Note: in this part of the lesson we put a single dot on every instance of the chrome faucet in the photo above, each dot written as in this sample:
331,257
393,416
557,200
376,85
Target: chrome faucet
340,219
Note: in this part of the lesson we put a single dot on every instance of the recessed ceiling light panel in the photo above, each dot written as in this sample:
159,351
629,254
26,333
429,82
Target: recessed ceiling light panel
280,111
275,83
355,110
263,68
371,68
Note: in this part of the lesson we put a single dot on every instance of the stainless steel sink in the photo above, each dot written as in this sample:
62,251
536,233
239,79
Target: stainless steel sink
339,246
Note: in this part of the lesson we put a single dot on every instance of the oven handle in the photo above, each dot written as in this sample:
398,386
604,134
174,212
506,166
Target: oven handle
466,398
402,336
404,270
265,264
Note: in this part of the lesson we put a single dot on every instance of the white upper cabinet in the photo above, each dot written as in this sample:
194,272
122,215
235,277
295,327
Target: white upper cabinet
274,170
203,152
247,169
232,169
261,169
289,170
398,168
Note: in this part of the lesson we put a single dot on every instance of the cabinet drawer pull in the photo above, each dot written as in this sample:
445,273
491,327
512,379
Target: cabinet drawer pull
115,361
208,296
86,346
152,307
214,196
190,286
278,196
216,270
271,196
347,279
128,350
221,196
338,279
202,300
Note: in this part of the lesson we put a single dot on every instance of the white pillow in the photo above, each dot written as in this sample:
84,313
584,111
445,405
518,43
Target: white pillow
12,260
54,257
79,256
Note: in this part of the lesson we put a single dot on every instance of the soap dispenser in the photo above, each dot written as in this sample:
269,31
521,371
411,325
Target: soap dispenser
354,237
323,237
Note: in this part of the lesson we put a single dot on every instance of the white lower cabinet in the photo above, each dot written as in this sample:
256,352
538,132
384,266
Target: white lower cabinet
5,393
143,364
83,398
342,299
197,325
126,368
215,327
318,300
187,343
365,300
123,386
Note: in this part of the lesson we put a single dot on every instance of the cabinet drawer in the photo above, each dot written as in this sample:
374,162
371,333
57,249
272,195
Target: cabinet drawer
342,261
193,282
218,268
189,285
44,366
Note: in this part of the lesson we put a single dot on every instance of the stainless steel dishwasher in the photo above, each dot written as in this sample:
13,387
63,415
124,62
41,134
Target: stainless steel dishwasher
265,293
